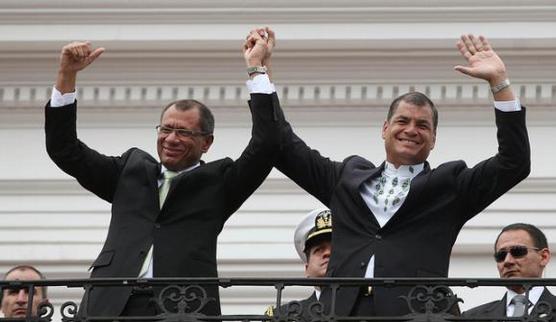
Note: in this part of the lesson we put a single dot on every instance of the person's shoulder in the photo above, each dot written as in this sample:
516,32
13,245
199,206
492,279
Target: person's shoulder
220,163
481,309
358,161
450,166
136,155
136,152
547,295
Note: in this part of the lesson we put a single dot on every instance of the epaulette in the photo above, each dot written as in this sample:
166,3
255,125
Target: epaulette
269,311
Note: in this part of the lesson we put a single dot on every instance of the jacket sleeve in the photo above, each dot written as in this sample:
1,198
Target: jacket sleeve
254,164
314,173
95,172
481,185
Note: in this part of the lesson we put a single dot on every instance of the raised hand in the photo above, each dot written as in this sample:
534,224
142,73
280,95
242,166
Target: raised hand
270,43
78,55
73,58
482,61
255,48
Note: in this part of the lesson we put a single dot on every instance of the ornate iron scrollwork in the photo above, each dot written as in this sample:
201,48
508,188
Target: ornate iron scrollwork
183,303
431,303
315,312
45,311
69,310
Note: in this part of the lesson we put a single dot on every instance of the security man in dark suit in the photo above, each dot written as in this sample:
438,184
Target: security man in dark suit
15,302
312,240
520,251
167,214
402,217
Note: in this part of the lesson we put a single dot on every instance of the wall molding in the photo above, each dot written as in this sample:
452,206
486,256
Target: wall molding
351,11
234,94
282,185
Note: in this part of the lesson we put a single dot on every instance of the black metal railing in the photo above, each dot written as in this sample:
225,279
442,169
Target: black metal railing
180,299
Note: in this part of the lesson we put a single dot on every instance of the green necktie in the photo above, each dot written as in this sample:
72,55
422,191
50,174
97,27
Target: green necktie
165,187
162,193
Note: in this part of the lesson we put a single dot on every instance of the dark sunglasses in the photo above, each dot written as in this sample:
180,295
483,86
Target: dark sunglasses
515,251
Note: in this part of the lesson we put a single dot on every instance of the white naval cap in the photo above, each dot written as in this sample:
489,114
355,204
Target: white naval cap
316,223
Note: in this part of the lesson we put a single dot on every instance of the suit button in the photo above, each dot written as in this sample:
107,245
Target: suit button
378,237
363,264
157,225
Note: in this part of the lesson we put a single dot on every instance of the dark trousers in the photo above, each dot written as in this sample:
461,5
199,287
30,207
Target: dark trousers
364,304
142,302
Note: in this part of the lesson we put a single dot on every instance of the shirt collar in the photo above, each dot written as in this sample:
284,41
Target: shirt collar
163,168
534,295
317,292
405,171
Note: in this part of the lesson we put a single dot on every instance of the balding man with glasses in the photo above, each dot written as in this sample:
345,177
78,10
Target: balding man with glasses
167,214
520,251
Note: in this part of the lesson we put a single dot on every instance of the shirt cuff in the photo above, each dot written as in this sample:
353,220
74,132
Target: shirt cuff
508,106
58,99
260,84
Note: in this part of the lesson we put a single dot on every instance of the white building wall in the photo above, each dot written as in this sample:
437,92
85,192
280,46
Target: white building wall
337,65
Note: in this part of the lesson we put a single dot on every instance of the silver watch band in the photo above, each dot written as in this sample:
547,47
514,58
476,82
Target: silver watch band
498,87
256,70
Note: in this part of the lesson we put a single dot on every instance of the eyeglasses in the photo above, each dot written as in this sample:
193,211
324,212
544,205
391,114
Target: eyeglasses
516,252
182,133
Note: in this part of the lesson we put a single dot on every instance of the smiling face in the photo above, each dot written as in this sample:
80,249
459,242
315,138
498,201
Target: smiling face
15,301
177,152
409,135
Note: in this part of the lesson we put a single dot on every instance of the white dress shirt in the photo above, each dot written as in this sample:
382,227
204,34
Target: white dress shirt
534,296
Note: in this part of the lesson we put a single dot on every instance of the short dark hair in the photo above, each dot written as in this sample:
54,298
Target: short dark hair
314,242
26,267
538,237
415,98
207,119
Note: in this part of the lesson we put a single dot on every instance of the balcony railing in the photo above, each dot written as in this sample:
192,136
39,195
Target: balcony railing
180,299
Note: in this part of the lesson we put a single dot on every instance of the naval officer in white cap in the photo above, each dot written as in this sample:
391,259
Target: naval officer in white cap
312,240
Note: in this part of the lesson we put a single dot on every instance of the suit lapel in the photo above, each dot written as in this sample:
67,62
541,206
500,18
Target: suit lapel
541,309
180,179
498,309
152,170
361,176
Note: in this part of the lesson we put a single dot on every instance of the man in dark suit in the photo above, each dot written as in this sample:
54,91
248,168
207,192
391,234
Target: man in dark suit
401,218
312,240
520,251
166,216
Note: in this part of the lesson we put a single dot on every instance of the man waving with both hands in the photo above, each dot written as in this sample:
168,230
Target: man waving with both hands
402,217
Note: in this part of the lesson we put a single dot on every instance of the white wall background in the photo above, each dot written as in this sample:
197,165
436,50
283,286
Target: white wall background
340,63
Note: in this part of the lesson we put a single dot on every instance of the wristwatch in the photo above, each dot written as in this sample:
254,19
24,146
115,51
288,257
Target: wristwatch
256,70
498,87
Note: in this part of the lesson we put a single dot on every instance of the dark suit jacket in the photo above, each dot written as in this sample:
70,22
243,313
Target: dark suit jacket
545,306
184,232
418,239
302,311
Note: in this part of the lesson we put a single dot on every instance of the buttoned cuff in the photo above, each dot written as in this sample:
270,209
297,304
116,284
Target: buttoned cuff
508,106
260,84
58,99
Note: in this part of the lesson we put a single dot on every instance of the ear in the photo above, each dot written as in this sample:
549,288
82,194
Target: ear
384,128
545,257
433,140
207,142
306,266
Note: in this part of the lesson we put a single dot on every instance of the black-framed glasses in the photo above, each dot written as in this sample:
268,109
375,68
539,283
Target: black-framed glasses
517,251
184,133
